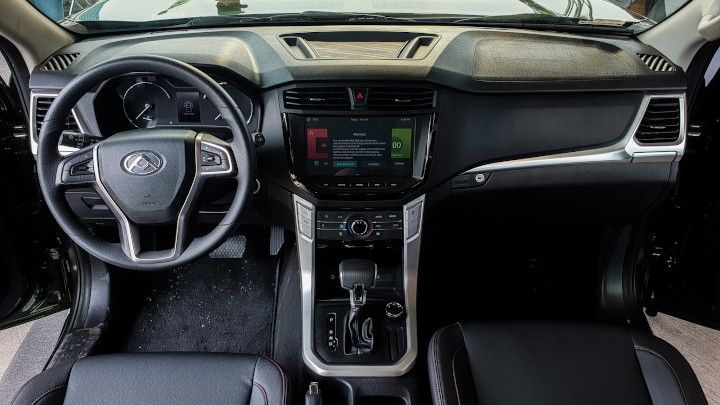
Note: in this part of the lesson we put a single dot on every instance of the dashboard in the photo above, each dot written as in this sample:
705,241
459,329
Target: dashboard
460,111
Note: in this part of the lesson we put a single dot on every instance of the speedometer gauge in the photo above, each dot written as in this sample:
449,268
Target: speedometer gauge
141,101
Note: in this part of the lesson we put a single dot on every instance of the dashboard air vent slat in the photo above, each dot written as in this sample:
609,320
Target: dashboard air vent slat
656,63
60,61
661,122
42,105
316,98
409,98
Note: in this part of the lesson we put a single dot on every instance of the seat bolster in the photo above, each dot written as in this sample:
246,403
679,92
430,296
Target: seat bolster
270,384
668,376
449,368
46,388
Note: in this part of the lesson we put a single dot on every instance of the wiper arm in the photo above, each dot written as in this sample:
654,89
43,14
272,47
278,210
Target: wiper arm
532,20
302,17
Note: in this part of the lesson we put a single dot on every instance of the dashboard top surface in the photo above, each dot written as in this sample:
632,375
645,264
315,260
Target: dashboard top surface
471,59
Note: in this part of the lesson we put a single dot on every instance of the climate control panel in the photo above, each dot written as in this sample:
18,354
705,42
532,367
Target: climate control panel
357,226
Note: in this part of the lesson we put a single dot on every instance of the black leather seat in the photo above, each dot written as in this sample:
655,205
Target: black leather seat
160,378
556,363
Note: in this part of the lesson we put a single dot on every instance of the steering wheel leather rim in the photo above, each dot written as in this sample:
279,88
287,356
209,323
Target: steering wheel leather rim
48,158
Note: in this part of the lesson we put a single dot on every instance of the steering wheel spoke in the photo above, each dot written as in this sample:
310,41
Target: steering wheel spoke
215,158
77,169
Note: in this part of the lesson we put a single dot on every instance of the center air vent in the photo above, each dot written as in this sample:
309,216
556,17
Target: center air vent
60,62
397,98
318,98
661,122
373,98
42,105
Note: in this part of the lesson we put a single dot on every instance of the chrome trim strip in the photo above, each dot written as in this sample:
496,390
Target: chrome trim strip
627,150
411,260
64,150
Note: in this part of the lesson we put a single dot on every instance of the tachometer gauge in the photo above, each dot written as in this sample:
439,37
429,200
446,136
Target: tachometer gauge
243,102
141,101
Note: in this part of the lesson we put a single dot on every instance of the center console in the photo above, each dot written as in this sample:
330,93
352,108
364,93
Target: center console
359,282
359,152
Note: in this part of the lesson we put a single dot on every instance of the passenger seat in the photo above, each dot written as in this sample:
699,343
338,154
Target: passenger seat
556,363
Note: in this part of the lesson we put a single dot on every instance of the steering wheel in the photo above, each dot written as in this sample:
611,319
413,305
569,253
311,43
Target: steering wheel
147,177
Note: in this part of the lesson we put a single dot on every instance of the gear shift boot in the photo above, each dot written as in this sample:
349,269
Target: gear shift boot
358,276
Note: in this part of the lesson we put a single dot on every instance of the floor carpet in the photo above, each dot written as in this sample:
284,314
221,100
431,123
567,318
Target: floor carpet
213,305
699,345
25,350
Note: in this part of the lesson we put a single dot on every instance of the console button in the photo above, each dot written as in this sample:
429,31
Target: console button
359,96
305,220
359,227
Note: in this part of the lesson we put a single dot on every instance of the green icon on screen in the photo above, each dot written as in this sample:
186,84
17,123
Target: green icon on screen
401,143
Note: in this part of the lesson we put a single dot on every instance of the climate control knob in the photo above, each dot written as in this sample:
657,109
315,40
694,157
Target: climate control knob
359,227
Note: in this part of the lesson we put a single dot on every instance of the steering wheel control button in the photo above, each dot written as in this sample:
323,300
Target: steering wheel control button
210,159
214,159
78,169
394,310
83,168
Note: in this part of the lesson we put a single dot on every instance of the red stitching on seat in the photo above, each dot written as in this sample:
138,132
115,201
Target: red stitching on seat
264,392
282,377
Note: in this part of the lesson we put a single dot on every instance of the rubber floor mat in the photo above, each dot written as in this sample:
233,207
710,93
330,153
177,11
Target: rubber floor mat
213,305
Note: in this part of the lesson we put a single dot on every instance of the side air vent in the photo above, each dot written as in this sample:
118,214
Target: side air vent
60,62
42,105
661,122
317,98
400,98
656,63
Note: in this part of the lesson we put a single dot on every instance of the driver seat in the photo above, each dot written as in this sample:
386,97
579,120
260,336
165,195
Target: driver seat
160,378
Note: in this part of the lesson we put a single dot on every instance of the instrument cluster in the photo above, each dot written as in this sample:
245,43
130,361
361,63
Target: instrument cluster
155,101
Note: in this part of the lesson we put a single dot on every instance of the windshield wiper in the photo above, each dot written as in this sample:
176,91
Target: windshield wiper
546,21
298,18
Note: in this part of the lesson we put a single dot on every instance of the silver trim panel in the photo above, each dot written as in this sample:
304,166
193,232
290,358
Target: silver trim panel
411,260
64,150
627,150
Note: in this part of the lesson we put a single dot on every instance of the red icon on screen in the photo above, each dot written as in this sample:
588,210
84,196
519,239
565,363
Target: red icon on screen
359,96
318,145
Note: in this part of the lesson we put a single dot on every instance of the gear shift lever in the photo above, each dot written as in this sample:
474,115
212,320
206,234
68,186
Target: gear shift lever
357,276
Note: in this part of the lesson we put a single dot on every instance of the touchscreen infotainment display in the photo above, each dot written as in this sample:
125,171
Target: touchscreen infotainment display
359,146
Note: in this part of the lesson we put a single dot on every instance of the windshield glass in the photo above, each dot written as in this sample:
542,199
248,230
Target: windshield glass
102,15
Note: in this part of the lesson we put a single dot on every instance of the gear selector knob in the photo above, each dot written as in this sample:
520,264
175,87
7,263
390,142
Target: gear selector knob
357,272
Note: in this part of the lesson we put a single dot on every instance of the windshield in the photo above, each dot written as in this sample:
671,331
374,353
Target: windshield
102,15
